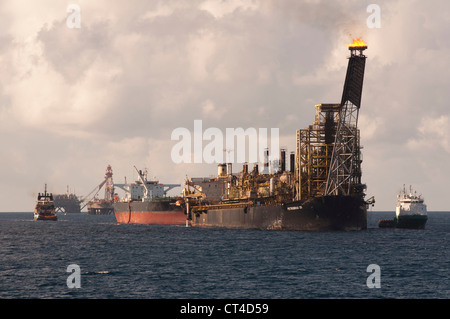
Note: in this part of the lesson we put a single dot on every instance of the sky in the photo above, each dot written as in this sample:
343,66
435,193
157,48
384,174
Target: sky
111,92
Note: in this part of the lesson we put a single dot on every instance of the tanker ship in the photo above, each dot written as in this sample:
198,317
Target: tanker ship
146,203
322,191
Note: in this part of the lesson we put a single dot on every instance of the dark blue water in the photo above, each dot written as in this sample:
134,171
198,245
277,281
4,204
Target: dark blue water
140,261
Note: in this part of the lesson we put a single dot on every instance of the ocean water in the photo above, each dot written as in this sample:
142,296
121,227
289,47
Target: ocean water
167,262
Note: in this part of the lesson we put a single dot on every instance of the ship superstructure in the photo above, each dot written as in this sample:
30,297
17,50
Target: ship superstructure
144,189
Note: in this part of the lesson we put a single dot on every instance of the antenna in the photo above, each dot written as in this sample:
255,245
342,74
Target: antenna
228,150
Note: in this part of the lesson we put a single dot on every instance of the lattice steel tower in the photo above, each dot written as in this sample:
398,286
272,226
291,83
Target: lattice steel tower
344,175
109,185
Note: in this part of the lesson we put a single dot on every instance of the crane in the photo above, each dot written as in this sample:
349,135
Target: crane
144,183
109,188
97,189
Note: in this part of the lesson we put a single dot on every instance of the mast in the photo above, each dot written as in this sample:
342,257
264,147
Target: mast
147,190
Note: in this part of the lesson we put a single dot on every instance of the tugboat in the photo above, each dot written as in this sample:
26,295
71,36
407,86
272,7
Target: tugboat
411,212
45,207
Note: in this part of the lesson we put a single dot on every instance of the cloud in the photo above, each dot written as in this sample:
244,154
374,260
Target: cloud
434,135
73,101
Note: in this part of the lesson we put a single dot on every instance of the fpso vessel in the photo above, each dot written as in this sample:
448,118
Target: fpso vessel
321,191
146,203
67,203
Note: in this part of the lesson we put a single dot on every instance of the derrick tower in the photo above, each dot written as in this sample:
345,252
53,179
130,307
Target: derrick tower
328,160
109,185
344,176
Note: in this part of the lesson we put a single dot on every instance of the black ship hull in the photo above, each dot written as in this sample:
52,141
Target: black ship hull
408,221
326,213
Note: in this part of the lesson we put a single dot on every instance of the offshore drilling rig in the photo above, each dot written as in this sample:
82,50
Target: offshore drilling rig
97,206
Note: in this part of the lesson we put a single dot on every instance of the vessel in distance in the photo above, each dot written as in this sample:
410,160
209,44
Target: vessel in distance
67,203
410,212
45,207
102,206
146,202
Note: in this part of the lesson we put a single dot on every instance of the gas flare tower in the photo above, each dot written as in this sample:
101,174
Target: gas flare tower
328,152
344,177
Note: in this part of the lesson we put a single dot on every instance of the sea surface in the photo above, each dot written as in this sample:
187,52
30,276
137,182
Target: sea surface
142,261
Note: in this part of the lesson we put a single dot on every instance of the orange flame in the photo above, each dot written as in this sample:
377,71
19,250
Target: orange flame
357,43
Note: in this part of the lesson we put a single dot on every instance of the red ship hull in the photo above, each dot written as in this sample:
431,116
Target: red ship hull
149,213
151,218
